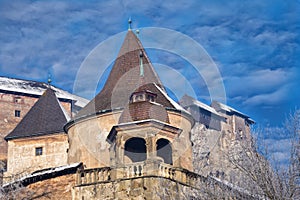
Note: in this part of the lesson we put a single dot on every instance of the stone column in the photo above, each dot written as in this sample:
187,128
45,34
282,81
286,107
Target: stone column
119,151
151,147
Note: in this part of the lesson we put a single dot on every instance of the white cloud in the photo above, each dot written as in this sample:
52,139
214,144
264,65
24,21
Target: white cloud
273,98
261,86
245,39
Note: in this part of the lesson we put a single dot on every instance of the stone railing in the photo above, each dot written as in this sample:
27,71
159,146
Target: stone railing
166,171
152,169
134,170
139,169
89,176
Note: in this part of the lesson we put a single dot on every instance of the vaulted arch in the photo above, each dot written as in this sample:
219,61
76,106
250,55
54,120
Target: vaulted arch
135,149
164,150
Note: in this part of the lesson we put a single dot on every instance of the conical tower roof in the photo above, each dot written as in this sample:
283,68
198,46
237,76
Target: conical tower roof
127,75
46,117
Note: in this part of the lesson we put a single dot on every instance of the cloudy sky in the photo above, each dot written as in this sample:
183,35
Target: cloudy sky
253,43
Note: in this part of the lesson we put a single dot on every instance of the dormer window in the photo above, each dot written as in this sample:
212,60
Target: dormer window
17,99
150,98
143,96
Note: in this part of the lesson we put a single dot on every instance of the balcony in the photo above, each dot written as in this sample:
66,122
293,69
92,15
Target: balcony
137,170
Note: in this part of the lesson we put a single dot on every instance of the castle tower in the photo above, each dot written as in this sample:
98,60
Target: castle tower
132,141
132,119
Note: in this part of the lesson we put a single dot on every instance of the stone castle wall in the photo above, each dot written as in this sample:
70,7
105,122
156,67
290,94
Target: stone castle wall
55,188
59,187
139,188
214,153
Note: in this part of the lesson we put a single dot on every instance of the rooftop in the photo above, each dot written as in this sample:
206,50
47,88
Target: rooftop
37,88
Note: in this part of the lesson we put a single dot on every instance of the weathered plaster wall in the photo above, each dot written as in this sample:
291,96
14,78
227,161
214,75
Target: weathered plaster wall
22,158
87,140
183,146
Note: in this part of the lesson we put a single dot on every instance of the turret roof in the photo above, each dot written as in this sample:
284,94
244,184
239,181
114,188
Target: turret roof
125,78
47,116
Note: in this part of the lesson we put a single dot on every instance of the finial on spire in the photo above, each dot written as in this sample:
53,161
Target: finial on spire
129,23
49,79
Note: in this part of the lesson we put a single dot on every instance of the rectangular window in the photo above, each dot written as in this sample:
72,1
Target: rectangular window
38,151
17,113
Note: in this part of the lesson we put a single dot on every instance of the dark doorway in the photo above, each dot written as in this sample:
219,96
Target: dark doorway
135,149
164,150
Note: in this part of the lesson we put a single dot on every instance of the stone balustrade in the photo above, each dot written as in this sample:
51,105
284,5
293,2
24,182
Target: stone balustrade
134,170
139,169
89,176
166,171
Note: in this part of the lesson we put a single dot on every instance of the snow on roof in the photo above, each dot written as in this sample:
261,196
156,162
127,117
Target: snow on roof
37,88
142,121
64,111
43,172
251,120
237,188
205,107
230,109
176,105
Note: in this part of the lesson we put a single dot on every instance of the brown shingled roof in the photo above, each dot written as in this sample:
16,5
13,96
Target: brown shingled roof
125,78
142,111
45,117
145,109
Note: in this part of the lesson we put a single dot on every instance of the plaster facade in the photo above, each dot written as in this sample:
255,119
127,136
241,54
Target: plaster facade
23,158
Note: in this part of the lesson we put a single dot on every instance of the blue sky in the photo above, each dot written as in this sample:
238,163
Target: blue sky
255,44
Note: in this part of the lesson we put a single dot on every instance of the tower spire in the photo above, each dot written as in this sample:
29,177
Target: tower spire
129,23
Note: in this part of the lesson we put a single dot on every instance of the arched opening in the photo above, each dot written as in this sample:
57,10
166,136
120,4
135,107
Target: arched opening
135,149
164,150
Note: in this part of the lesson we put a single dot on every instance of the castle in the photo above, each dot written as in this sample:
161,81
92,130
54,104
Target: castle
132,141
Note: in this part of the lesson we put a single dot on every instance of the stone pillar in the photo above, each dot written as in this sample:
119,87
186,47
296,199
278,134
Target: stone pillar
119,151
151,148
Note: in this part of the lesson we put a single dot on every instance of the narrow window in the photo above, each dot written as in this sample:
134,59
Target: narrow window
17,113
39,151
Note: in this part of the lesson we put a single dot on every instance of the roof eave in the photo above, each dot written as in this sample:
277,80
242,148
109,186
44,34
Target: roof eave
7,138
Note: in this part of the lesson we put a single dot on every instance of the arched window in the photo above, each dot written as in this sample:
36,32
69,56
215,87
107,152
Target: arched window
164,150
135,149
